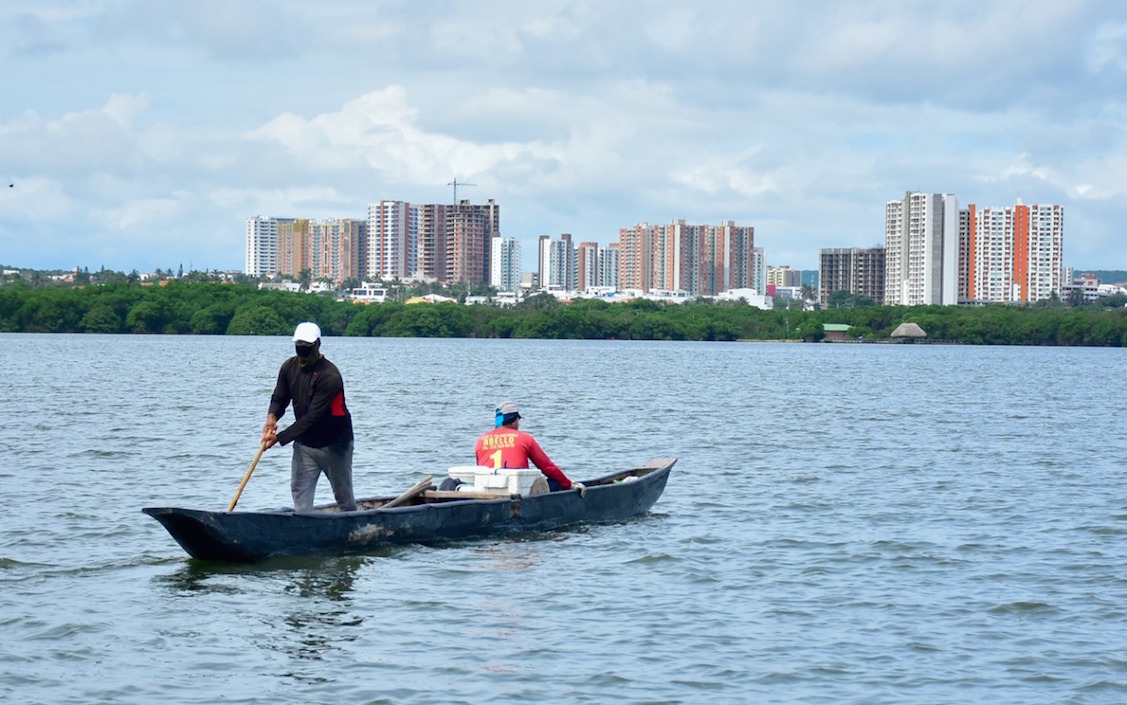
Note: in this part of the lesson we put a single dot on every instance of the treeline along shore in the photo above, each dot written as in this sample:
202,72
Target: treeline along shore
196,308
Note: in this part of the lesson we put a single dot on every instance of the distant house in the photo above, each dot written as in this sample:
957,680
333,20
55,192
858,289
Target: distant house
289,285
750,296
835,332
430,299
368,294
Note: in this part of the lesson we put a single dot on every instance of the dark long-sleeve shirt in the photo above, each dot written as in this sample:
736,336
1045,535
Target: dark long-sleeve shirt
317,395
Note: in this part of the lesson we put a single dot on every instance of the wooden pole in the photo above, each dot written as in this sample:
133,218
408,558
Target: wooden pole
419,487
246,477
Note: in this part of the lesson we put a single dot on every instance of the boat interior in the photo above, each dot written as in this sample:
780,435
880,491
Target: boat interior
425,492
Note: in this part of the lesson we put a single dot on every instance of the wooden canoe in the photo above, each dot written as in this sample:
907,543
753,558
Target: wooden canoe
420,515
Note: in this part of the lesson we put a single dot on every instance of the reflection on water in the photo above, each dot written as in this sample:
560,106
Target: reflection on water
332,579
323,612
513,555
317,594
336,573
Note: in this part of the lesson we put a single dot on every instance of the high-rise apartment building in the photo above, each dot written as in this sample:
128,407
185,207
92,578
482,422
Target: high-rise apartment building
759,275
587,266
964,276
635,257
504,271
921,250
295,246
392,231
431,248
988,241
557,263
336,247
739,244
1011,254
467,251
469,232
1044,252
608,266
262,245
668,275
855,270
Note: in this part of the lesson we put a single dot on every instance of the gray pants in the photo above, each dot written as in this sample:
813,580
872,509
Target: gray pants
308,464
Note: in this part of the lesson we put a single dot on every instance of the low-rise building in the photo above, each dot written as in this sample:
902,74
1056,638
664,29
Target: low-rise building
835,332
368,294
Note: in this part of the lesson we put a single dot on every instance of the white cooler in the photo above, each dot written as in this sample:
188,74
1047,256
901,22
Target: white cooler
466,473
514,480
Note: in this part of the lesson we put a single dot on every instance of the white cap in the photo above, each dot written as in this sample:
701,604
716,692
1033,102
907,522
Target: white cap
307,333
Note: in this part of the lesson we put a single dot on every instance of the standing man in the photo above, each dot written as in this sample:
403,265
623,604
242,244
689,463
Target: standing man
506,446
322,428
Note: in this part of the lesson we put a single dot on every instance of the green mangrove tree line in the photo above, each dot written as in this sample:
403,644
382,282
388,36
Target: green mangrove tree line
239,309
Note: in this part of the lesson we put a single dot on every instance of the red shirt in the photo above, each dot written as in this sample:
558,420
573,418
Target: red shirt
509,448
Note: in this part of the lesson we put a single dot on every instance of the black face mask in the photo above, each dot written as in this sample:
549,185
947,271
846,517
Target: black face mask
304,351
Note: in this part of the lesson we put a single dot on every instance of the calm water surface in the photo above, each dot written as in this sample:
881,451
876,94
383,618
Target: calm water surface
847,524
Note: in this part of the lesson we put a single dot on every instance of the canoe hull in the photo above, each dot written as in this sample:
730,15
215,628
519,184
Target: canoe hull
253,536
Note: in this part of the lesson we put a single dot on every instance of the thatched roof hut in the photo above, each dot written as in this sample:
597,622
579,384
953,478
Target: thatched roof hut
909,330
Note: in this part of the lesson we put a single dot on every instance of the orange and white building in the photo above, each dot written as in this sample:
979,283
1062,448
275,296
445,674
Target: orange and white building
1011,254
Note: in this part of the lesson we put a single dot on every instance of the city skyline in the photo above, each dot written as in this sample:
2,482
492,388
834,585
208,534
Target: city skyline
464,244
138,136
1001,254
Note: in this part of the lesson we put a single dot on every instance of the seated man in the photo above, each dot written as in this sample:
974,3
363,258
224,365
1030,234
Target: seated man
506,446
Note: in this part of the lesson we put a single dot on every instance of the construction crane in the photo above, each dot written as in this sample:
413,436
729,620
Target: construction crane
454,183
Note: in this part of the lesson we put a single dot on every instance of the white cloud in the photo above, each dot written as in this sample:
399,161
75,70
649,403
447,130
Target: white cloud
145,214
35,199
738,175
379,130
122,109
295,202
1108,49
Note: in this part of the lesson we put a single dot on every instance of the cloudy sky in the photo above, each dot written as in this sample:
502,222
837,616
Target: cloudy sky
139,134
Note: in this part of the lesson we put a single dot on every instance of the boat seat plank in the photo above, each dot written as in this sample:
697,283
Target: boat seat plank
464,494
